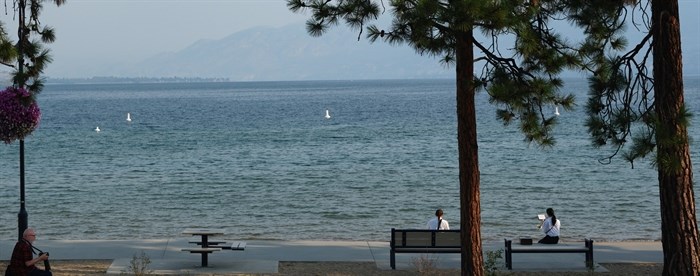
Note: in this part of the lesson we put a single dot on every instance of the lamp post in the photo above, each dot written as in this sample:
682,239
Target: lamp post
22,217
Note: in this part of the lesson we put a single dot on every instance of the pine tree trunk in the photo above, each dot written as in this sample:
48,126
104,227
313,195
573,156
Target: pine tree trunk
678,220
470,216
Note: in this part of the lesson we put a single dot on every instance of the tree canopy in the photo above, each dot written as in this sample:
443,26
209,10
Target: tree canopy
28,56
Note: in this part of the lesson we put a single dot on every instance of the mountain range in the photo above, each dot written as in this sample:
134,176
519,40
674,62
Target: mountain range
289,53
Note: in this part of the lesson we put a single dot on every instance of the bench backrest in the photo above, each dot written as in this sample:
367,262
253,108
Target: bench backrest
421,238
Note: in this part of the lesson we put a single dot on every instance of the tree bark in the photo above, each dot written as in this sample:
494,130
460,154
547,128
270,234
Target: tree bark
469,175
679,232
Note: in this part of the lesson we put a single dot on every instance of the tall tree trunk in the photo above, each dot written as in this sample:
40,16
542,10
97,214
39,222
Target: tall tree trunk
679,232
470,202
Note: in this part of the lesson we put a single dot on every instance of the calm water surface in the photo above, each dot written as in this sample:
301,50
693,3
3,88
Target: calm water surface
262,162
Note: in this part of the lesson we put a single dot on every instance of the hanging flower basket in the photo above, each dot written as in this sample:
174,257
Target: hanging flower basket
19,114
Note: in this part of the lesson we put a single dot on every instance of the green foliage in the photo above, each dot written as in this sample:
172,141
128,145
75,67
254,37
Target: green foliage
354,13
138,266
491,264
426,264
29,54
666,134
621,106
8,52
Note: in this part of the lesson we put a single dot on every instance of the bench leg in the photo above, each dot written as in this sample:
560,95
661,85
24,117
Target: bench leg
589,254
392,259
509,255
205,259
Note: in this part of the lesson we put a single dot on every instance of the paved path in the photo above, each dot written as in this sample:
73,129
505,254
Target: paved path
263,256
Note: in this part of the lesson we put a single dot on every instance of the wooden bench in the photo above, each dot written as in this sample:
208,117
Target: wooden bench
423,241
205,251
587,249
227,245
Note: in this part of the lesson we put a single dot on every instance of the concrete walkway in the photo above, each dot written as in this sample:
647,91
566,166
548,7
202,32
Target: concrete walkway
263,256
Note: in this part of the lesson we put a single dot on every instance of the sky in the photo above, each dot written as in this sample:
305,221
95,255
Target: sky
104,32
111,31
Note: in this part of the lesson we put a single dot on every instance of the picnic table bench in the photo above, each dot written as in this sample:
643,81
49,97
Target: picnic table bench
423,241
554,248
206,246
223,244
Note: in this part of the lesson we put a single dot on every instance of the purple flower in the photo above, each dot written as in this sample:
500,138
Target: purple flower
19,114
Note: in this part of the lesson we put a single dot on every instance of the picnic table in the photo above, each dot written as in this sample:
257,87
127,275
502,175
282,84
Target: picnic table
205,250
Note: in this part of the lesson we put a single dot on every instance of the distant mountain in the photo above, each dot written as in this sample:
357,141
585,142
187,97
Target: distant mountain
289,53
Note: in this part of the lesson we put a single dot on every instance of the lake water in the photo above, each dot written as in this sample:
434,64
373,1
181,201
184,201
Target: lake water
260,160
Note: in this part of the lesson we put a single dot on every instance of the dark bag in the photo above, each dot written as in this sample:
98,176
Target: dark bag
39,272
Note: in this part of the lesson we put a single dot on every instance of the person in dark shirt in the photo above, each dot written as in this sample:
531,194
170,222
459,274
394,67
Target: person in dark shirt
23,262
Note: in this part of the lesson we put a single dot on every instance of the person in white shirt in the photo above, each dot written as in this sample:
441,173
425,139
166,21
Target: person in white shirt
437,223
550,228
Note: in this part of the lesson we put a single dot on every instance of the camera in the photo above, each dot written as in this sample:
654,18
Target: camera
47,265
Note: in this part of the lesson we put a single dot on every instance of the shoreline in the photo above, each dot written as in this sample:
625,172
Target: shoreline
302,257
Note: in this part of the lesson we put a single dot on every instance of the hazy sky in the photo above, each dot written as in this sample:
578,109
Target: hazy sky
112,31
109,31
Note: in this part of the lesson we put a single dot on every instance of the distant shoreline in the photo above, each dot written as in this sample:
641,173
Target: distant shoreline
117,80
149,80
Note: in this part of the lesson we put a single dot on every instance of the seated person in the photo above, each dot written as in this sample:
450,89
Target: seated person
23,262
550,228
437,223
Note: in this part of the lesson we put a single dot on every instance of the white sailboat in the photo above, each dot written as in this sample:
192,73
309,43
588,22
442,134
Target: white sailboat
128,117
328,114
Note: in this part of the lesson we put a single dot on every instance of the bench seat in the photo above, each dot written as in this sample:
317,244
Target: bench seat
423,241
428,250
230,245
201,250
235,245
554,248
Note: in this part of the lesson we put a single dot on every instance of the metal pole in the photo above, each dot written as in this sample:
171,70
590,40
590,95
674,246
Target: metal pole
21,33
22,217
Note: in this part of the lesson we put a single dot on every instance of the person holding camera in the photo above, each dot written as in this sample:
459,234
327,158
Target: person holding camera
23,262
